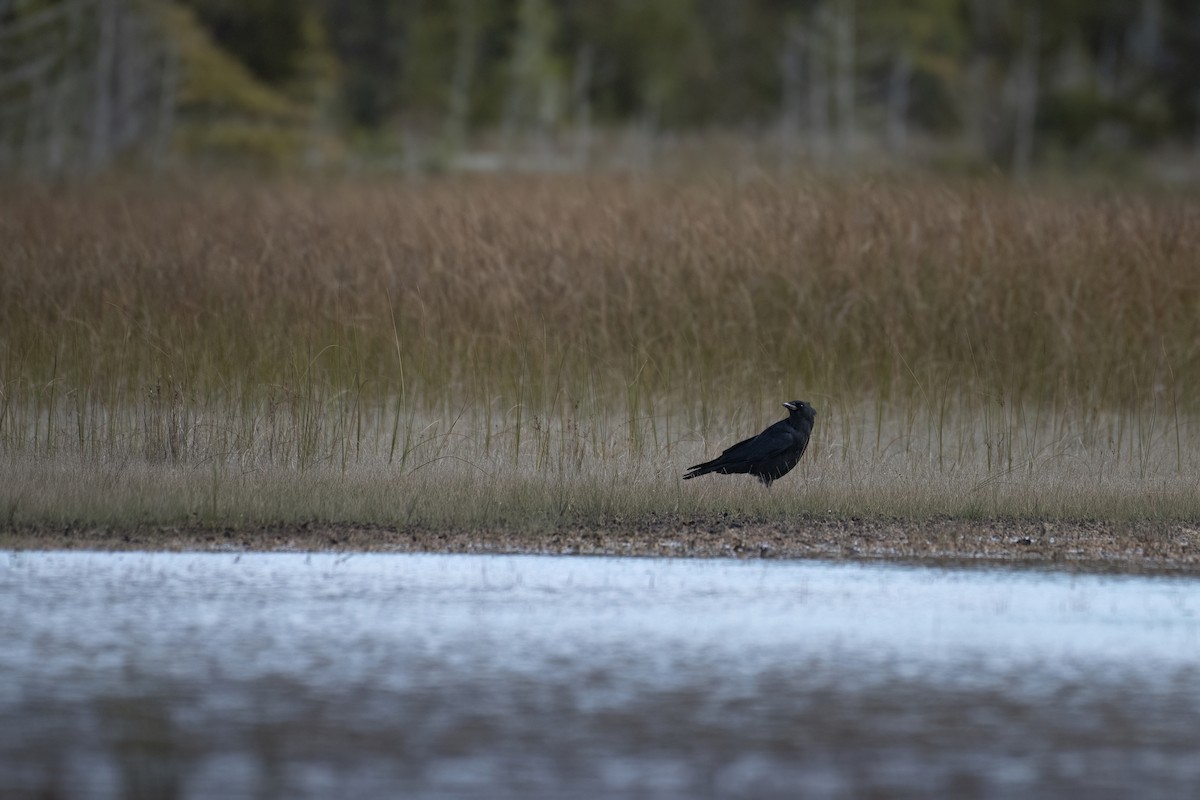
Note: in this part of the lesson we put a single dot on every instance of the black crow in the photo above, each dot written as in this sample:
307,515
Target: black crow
772,453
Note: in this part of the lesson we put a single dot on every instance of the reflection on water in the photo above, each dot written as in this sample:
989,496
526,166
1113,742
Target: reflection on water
293,676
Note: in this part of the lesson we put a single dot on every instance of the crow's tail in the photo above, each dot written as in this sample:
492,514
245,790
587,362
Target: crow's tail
699,469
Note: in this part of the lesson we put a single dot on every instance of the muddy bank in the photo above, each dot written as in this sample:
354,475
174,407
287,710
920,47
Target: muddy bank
1120,546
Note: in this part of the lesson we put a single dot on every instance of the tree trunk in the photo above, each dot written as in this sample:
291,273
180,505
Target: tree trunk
165,111
844,36
977,110
459,111
818,86
791,69
1147,37
897,103
1026,88
101,144
582,106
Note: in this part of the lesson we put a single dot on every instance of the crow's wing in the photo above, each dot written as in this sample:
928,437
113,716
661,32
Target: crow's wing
774,441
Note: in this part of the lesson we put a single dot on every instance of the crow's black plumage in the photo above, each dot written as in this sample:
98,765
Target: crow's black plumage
771,454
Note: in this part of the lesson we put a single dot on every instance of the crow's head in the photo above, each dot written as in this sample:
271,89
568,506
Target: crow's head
800,407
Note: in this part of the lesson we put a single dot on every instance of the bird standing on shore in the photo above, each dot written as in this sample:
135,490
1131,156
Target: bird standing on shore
770,455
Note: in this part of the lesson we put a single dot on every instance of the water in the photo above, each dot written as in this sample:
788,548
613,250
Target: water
295,676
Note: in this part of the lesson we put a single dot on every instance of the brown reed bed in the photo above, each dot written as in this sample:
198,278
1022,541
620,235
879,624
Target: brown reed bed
474,350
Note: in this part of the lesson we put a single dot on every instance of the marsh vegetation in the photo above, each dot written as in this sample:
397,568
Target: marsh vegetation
527,350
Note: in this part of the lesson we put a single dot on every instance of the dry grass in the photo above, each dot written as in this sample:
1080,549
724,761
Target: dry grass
521,350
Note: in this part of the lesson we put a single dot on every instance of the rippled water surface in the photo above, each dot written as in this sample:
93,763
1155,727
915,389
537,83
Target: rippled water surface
294,676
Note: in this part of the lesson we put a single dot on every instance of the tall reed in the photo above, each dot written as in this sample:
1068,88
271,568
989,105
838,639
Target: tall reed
604,327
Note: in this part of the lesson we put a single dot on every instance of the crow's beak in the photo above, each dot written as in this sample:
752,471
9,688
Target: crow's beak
789,405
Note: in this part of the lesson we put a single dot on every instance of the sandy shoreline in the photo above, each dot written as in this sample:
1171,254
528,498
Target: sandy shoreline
1106,546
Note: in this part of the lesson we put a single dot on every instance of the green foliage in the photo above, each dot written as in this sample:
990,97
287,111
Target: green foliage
267,36
697,63
228,112
214,83
1109,75
969,80
245,142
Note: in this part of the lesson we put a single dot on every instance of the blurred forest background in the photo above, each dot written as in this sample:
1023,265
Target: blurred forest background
1015,85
